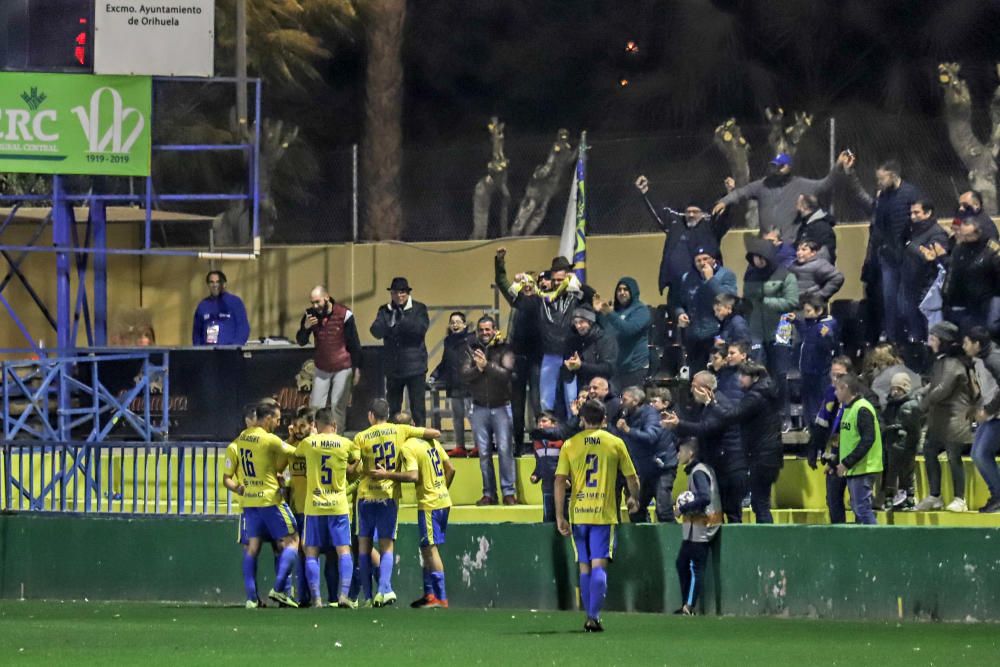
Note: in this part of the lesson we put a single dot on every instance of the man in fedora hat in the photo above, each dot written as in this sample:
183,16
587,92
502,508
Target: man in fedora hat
401,325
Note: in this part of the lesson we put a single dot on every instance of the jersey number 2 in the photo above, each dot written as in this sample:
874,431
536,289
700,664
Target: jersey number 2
591,462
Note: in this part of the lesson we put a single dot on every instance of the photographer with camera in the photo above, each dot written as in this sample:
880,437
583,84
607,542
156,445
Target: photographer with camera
338,353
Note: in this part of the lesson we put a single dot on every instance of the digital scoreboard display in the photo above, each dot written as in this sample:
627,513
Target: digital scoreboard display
47,35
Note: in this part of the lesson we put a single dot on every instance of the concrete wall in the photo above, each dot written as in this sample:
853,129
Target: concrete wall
822,571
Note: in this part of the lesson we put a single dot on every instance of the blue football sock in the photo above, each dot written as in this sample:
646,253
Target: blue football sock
355,580
598,590
312,574
301,581
330,575
385,573
437,580
285,566
345,568
428,585
250,576
585,592
365,574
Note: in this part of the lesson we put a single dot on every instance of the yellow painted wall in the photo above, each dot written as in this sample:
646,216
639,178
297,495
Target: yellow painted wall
276,287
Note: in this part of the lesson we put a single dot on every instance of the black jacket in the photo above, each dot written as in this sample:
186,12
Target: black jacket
402,332
454,352
991,360
818,227
554,317
916,272
682,241
758,415
489,387
890,226
719,442
974,275
598,352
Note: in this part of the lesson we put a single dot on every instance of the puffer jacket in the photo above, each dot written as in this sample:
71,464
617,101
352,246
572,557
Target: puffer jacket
818,227
630,327
598,355
973,277
950,398
719,441
890,227
698,296
902,423
642,439
817,276
771,292
455,349
758,415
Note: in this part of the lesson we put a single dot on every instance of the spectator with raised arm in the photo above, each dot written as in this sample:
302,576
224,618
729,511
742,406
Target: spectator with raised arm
628,321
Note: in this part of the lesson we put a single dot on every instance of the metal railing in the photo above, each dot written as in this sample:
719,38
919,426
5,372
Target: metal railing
117,478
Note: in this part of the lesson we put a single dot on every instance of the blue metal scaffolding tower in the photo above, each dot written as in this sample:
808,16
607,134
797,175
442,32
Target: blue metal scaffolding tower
63,410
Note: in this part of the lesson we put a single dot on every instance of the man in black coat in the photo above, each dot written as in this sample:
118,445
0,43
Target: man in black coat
921,258
401,325
973,277
815,224
888,233
590,351
719,441
686,232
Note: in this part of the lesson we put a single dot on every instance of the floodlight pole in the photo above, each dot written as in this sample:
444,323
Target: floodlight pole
241,65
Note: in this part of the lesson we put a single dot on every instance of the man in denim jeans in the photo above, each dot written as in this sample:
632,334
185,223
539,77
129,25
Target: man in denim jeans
860,447
486,371
986,445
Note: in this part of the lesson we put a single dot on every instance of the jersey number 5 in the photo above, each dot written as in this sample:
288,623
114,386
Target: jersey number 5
246,459
325,473
591,463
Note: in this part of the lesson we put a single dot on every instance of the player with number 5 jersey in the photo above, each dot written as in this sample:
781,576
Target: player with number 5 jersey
328,457
381,448
591,461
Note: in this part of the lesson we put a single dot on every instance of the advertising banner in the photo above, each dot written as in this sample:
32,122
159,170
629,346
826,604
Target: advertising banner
75,124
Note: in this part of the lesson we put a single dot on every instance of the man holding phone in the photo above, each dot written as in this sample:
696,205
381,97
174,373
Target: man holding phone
338,353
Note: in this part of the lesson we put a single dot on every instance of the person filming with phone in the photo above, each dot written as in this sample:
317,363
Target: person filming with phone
338,352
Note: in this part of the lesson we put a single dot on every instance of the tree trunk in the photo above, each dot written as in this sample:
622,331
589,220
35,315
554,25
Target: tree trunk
975,155
730,140
543,186
382,147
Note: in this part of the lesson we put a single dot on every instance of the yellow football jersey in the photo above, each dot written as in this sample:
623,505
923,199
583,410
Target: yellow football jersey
257,462
381,446
327,456
592,460
297,481
431,487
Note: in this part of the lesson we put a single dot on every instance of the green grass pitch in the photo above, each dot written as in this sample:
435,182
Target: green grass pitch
81,633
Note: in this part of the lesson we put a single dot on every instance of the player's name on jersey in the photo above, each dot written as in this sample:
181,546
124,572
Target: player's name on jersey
249,437
591,440
381,432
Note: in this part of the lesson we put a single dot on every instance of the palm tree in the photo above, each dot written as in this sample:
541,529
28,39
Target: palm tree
382,148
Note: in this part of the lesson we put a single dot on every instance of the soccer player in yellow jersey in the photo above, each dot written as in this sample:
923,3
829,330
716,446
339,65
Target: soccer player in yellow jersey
381,447
591,461
266,515
432,478
329,457
301,428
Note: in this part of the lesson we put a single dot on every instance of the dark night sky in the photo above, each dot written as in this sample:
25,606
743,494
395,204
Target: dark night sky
545,64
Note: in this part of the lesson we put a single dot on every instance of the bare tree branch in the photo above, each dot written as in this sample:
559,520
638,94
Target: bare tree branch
730,140
975,155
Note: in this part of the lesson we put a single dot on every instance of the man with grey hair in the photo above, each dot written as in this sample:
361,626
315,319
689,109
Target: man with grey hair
718,440
338,353
638,424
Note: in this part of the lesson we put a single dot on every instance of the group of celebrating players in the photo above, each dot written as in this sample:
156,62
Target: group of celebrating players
327,470
332,477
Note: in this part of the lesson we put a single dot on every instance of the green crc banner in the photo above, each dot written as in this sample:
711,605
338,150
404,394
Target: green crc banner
75,124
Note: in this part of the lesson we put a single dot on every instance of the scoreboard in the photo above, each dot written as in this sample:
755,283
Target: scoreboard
47,35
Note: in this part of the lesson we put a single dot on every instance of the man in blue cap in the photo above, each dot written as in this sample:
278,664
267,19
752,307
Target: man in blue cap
778,191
